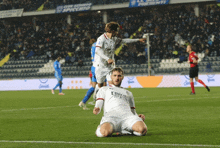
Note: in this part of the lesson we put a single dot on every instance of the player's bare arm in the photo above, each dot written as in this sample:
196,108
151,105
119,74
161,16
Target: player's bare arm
195,61
96,110
142,40
110,61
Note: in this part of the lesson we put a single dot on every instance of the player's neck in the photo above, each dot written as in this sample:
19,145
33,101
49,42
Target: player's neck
109,35
119,85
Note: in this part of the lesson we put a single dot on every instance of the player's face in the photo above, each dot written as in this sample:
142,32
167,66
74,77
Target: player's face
188,49
117,78
114,34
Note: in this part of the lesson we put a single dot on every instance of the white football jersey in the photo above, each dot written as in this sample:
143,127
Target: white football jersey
118,101
108,46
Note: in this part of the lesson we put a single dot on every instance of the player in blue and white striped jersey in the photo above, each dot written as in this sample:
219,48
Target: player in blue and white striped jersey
58,75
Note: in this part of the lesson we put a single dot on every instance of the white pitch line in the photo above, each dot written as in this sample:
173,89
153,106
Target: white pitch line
178,99
112,143
36,108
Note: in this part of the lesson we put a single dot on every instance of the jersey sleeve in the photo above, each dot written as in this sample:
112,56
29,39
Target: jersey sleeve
101,94
99,51
55,65
132,104
129,40
195,55
131,101
93,52
100,42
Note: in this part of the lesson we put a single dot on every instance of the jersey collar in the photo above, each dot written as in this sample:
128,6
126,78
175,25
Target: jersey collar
112,85
106,36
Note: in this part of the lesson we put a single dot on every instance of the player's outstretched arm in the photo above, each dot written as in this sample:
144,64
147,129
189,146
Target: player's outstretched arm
100,52
133,40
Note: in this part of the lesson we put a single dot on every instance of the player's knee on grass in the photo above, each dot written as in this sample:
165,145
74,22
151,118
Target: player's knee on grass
98,133
139,128
105,130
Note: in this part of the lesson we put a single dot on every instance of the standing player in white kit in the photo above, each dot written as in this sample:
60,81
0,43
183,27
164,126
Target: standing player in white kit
119,109
104,55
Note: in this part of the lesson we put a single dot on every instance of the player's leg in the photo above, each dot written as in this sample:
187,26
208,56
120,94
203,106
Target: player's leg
201,82
192,86
87,96
191,76
89,93
134,124
106,129
60,82
100,77
139,128
109,79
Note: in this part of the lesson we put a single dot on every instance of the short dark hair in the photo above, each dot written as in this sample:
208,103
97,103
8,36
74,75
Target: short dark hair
119,69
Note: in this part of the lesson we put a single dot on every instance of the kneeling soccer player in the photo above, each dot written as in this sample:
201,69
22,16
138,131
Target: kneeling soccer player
119,109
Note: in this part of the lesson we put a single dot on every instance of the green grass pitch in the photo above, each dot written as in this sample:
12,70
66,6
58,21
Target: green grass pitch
38,119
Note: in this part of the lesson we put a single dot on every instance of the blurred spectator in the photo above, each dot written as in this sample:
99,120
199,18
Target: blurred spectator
141,58
182,58
208,67
52,36
80,63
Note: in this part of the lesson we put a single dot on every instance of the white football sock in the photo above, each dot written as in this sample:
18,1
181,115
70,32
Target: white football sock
137,134
95,92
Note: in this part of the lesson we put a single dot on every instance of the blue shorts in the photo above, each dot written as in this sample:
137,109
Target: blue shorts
93,74
59,77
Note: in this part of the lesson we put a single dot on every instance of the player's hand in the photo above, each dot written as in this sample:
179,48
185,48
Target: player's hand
142,116
96,110
142,40
110,61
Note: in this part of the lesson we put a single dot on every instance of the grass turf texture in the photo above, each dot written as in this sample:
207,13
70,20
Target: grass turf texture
172,116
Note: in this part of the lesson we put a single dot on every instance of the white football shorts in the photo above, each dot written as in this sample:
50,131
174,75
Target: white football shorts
121,124
102,73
